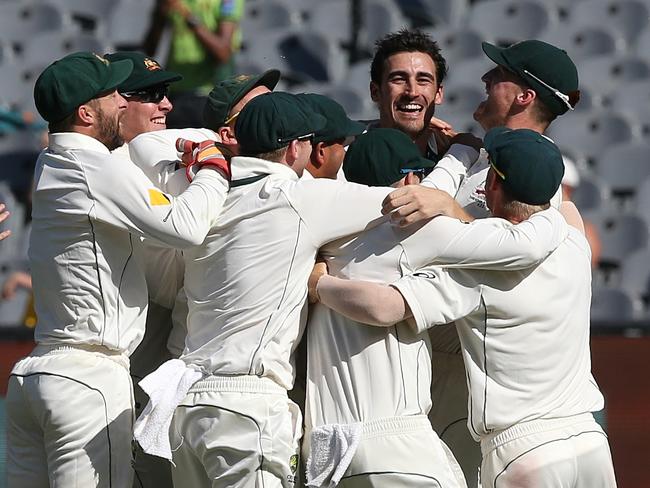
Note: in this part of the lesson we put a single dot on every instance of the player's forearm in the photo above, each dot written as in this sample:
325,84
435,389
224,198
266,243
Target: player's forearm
217,44
363,301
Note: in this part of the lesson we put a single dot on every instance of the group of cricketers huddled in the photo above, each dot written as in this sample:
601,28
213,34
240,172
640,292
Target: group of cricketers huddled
286,297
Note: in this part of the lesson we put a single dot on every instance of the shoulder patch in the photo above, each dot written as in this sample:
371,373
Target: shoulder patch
157,198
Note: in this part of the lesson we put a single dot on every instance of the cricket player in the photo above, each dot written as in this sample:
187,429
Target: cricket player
532,83
70,402
156,154
371,385
147,107
532,393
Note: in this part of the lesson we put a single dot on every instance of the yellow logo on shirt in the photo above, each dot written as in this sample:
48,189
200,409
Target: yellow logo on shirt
158,198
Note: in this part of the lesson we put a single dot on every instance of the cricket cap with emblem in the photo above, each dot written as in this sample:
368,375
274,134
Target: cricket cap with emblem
228,92
272,120
339,125
545,68
74,80
381,157
146,71
528,164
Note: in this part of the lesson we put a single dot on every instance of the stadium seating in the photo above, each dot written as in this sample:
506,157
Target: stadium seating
590,133
629,17
508,21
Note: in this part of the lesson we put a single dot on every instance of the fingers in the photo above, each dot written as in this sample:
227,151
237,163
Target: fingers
394,199
5,234
436,123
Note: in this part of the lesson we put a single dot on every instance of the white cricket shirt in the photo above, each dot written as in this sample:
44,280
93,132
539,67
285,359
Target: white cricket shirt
90,209
524,335
357,372
247,283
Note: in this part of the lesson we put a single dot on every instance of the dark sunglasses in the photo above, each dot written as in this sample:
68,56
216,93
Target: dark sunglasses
155,94
419,172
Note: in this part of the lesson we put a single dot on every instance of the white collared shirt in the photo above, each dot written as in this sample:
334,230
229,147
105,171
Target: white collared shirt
524,335
247,283
90,209
359,373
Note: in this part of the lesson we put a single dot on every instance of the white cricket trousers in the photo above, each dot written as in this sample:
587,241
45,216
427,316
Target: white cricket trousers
239,431
569,452
70,419
448,413
402,451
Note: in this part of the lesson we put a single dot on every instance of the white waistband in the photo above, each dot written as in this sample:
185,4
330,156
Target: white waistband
49,349
238,384
394,425
521,429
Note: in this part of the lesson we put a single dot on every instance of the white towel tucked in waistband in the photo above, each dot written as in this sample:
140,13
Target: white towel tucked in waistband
331,451
166,387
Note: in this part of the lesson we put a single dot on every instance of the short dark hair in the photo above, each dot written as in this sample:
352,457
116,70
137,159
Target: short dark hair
64,125
406,40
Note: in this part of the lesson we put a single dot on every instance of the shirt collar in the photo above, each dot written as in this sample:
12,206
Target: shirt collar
63,141
246,166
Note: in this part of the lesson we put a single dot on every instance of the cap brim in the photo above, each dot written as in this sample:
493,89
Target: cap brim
495,53
158,77
354,128
268,79
420,162
119,71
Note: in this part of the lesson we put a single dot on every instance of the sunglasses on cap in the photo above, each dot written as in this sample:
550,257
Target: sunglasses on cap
154,94
419,172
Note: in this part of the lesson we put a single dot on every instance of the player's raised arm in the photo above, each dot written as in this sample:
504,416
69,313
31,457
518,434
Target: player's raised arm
485,243
125,197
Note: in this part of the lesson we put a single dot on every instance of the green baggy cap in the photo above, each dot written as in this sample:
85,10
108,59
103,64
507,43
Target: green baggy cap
146,71
228,92
545,68
529,165
380,157
338,126
74,80
271,121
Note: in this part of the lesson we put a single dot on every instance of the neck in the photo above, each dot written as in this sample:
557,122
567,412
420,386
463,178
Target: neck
523,121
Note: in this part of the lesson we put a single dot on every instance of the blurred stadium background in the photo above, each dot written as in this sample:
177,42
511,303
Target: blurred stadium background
325,46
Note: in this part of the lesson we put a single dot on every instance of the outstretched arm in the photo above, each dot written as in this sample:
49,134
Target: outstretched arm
363,301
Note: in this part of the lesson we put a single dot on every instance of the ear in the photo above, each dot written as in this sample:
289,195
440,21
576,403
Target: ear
493,182
292,152
526,97
86,113
440,95
317,157
227,135
374,91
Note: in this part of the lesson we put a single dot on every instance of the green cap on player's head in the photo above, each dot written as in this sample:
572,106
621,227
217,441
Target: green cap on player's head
228,92
529,165
380,157
146,71
338,126
545,68
272,120
74,80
